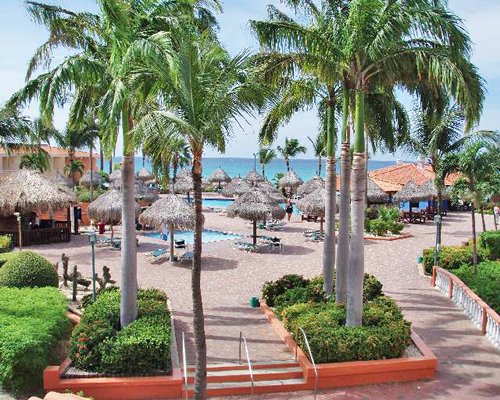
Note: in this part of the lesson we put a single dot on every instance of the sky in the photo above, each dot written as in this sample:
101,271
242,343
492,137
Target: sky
19,37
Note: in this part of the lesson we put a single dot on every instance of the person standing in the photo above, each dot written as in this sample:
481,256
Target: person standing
496,215
289,209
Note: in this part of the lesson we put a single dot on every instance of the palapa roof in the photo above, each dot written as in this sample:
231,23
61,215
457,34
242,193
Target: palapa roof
183,184
142,192
290,179
108,207
255,205
271,191
144,175
411,192
183,173
116,175
237,186
169,210
87,182
310,186
60,180
219,175
253,176
375,193
26,190
314,203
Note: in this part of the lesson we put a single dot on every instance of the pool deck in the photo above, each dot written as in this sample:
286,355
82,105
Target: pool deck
469,365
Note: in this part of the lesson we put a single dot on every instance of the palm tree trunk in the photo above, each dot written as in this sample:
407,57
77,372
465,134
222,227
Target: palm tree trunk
200,384
474,239
319,165
101,155
345,189
330,207
439,211
287,161
91,162
356,250
171,228
71,157
482,218
263,170
254,231
128,305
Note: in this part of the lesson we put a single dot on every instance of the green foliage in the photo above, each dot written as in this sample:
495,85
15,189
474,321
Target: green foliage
490,240
395,227
276,179
32,322
378,227
452,257
384,334
28,269
6,243
104,175
388,214
386,221
4,257
485,283
273,289
83,193
142,347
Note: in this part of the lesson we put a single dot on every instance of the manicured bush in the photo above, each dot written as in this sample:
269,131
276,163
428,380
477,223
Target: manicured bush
490,240
143,347
32,321
28,269
378,227
272,289
452,257
395,227
384,334
4,257
485,283
6,243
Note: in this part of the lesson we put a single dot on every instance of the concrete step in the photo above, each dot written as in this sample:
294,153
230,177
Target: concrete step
244,365
243,375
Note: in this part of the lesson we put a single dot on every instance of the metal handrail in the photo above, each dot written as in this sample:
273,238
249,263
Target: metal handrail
184,365
250,371
310,356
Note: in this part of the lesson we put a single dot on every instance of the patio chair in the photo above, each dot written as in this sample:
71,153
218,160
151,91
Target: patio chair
316,237
158,256
245,246
275,225
187,256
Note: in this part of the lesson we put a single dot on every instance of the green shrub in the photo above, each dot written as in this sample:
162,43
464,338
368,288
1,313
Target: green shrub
452,257
485,283
6,243
384,334
395,227
143,347
372,288
28,269
83,194
4,257
378,227
32,321
272,289
389,214
490,240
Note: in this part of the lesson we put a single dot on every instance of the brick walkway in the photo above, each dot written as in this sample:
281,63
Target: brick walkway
469,366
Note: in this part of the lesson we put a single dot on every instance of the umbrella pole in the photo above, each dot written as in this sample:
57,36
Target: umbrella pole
254,231
112,233
171,243
321,225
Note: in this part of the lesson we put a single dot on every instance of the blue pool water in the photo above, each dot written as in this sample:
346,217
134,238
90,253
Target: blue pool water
217,202
207,237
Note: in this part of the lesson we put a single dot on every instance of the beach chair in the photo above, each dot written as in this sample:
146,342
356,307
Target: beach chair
275,225
272,242
316,237
187,256
158,256
311,232
248,247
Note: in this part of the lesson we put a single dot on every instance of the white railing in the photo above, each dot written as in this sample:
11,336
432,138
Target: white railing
243,340
310,356
473,306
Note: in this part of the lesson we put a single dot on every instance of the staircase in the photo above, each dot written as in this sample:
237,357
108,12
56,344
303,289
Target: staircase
235,379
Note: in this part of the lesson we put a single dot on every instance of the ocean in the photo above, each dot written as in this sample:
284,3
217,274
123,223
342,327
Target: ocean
305,168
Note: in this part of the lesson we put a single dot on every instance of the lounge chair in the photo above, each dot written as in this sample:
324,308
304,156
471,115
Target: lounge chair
316,237
275,225
245,246
311,232
158,256
187,256
273,242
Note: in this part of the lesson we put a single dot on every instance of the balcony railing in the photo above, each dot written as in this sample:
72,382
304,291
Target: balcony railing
480,313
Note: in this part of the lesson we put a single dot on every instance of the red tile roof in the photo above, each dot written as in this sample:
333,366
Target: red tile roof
51,150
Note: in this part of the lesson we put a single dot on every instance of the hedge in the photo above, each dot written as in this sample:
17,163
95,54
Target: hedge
452,257
383,334
6,243
98,344
28,269
32,322
485,283
490,240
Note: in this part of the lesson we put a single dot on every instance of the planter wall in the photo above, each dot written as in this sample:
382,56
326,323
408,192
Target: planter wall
352,373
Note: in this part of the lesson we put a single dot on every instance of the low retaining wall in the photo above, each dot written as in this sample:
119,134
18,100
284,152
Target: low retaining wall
353,373
480,313
388,238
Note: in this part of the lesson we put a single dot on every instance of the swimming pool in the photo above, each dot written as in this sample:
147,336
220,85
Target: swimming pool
208,236
217,202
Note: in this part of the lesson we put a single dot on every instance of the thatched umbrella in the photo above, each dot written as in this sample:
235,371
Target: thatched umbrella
411,192
170,211
254,177
290,180
183,185
255,205
60,180
375,194
430,189
26,191
271,191
144,193
108,208
184,173
310,186
89,179
115,176
314,204
236,187
219,176
144,175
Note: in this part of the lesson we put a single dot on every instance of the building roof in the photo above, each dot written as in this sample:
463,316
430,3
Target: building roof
52,151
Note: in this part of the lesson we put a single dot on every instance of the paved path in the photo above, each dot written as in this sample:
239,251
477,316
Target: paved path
469,366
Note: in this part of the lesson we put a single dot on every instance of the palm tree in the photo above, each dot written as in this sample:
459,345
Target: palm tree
266,155
203,91
478,163
292,148
74,168
14,127
319,148
37,160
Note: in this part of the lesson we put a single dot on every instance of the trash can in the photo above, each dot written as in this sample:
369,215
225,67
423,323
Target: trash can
254,302
102,227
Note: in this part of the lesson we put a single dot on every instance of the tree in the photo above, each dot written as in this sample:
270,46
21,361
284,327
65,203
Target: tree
479,165
14,127
74,168
266,155
204,91
36,159
292,148
319,148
